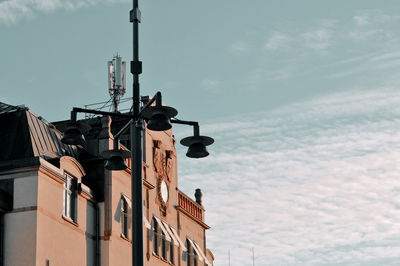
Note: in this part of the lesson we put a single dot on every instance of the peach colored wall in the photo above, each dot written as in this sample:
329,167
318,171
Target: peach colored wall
58,240
20,225
20,238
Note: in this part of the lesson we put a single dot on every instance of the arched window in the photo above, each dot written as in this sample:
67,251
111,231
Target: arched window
124,217
155,236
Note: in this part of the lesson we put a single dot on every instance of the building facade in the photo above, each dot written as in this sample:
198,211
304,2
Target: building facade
60,206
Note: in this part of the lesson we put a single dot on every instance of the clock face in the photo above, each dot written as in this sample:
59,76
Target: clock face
164,191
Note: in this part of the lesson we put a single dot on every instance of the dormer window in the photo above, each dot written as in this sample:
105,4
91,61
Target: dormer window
124,217
70,195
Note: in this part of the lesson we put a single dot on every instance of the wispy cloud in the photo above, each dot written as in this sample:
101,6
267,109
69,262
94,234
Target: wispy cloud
12,11
277,40
319,39
210,84
313,183
373,17
239,47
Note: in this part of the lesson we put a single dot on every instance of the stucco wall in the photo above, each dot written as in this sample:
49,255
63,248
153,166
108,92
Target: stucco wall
20,224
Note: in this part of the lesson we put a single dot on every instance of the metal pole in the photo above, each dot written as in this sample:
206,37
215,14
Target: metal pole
136,147
253,256
229,257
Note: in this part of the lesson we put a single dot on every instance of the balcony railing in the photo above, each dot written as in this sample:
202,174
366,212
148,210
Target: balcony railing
190,206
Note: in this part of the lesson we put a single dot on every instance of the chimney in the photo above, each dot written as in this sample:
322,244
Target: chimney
198,195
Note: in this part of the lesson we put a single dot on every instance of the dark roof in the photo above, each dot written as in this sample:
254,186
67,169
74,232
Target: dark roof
6,108
24,135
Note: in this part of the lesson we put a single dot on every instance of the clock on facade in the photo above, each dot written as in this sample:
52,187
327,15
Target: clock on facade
164,191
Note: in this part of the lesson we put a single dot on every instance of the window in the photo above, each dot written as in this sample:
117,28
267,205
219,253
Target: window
70,193
171,252
194,258
155,236
163,246
189,256
124,217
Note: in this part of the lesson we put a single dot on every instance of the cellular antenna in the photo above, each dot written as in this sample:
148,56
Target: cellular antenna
116,80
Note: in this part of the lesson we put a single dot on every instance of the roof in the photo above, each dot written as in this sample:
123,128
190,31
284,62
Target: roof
6,108
24,135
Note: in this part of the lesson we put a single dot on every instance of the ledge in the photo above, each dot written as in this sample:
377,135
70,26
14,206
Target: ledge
125,238
184,211
69,220
161,258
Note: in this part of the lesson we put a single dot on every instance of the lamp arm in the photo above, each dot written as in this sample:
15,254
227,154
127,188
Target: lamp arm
196,128
123,129
157,98
96,112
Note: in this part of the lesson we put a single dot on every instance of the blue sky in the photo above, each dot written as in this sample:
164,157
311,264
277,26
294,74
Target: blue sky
301,96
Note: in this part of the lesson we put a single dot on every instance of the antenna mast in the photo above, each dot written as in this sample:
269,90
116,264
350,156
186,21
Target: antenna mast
116,80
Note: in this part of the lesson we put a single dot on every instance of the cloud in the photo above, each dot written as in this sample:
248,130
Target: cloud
12,11
312,183
373,17
277,40
365,65
319,39
210,84
238,47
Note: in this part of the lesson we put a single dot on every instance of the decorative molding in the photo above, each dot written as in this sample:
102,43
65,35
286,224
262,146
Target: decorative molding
148,185
74,163
163,204
55,176
169,164
188,214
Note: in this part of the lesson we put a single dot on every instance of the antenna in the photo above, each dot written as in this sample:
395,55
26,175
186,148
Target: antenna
253,256
116,80
229,257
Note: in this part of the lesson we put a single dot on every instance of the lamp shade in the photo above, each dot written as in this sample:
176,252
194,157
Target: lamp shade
197,146
197,150
158,117
159,122
115,159
115,163
73,134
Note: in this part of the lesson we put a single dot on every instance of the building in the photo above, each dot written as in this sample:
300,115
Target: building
60,206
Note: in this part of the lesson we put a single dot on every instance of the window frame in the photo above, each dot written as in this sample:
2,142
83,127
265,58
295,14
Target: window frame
124,218
171,252
163,246
70,195
155,236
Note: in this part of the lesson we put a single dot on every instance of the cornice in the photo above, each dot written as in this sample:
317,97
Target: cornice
188,214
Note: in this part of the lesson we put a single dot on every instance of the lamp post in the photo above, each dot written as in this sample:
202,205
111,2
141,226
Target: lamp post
158,118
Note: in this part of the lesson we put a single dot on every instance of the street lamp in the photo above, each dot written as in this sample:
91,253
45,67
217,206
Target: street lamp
158,118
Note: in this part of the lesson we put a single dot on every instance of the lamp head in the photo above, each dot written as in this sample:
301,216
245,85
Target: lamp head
197,146
73,135
115,163
115,159
158,117
197,150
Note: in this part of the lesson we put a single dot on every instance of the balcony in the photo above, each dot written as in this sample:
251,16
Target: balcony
190,206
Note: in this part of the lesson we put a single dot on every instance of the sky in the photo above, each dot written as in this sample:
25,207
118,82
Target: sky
302,98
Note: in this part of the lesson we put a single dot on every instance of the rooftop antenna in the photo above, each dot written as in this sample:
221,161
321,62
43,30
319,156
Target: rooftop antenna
116,80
